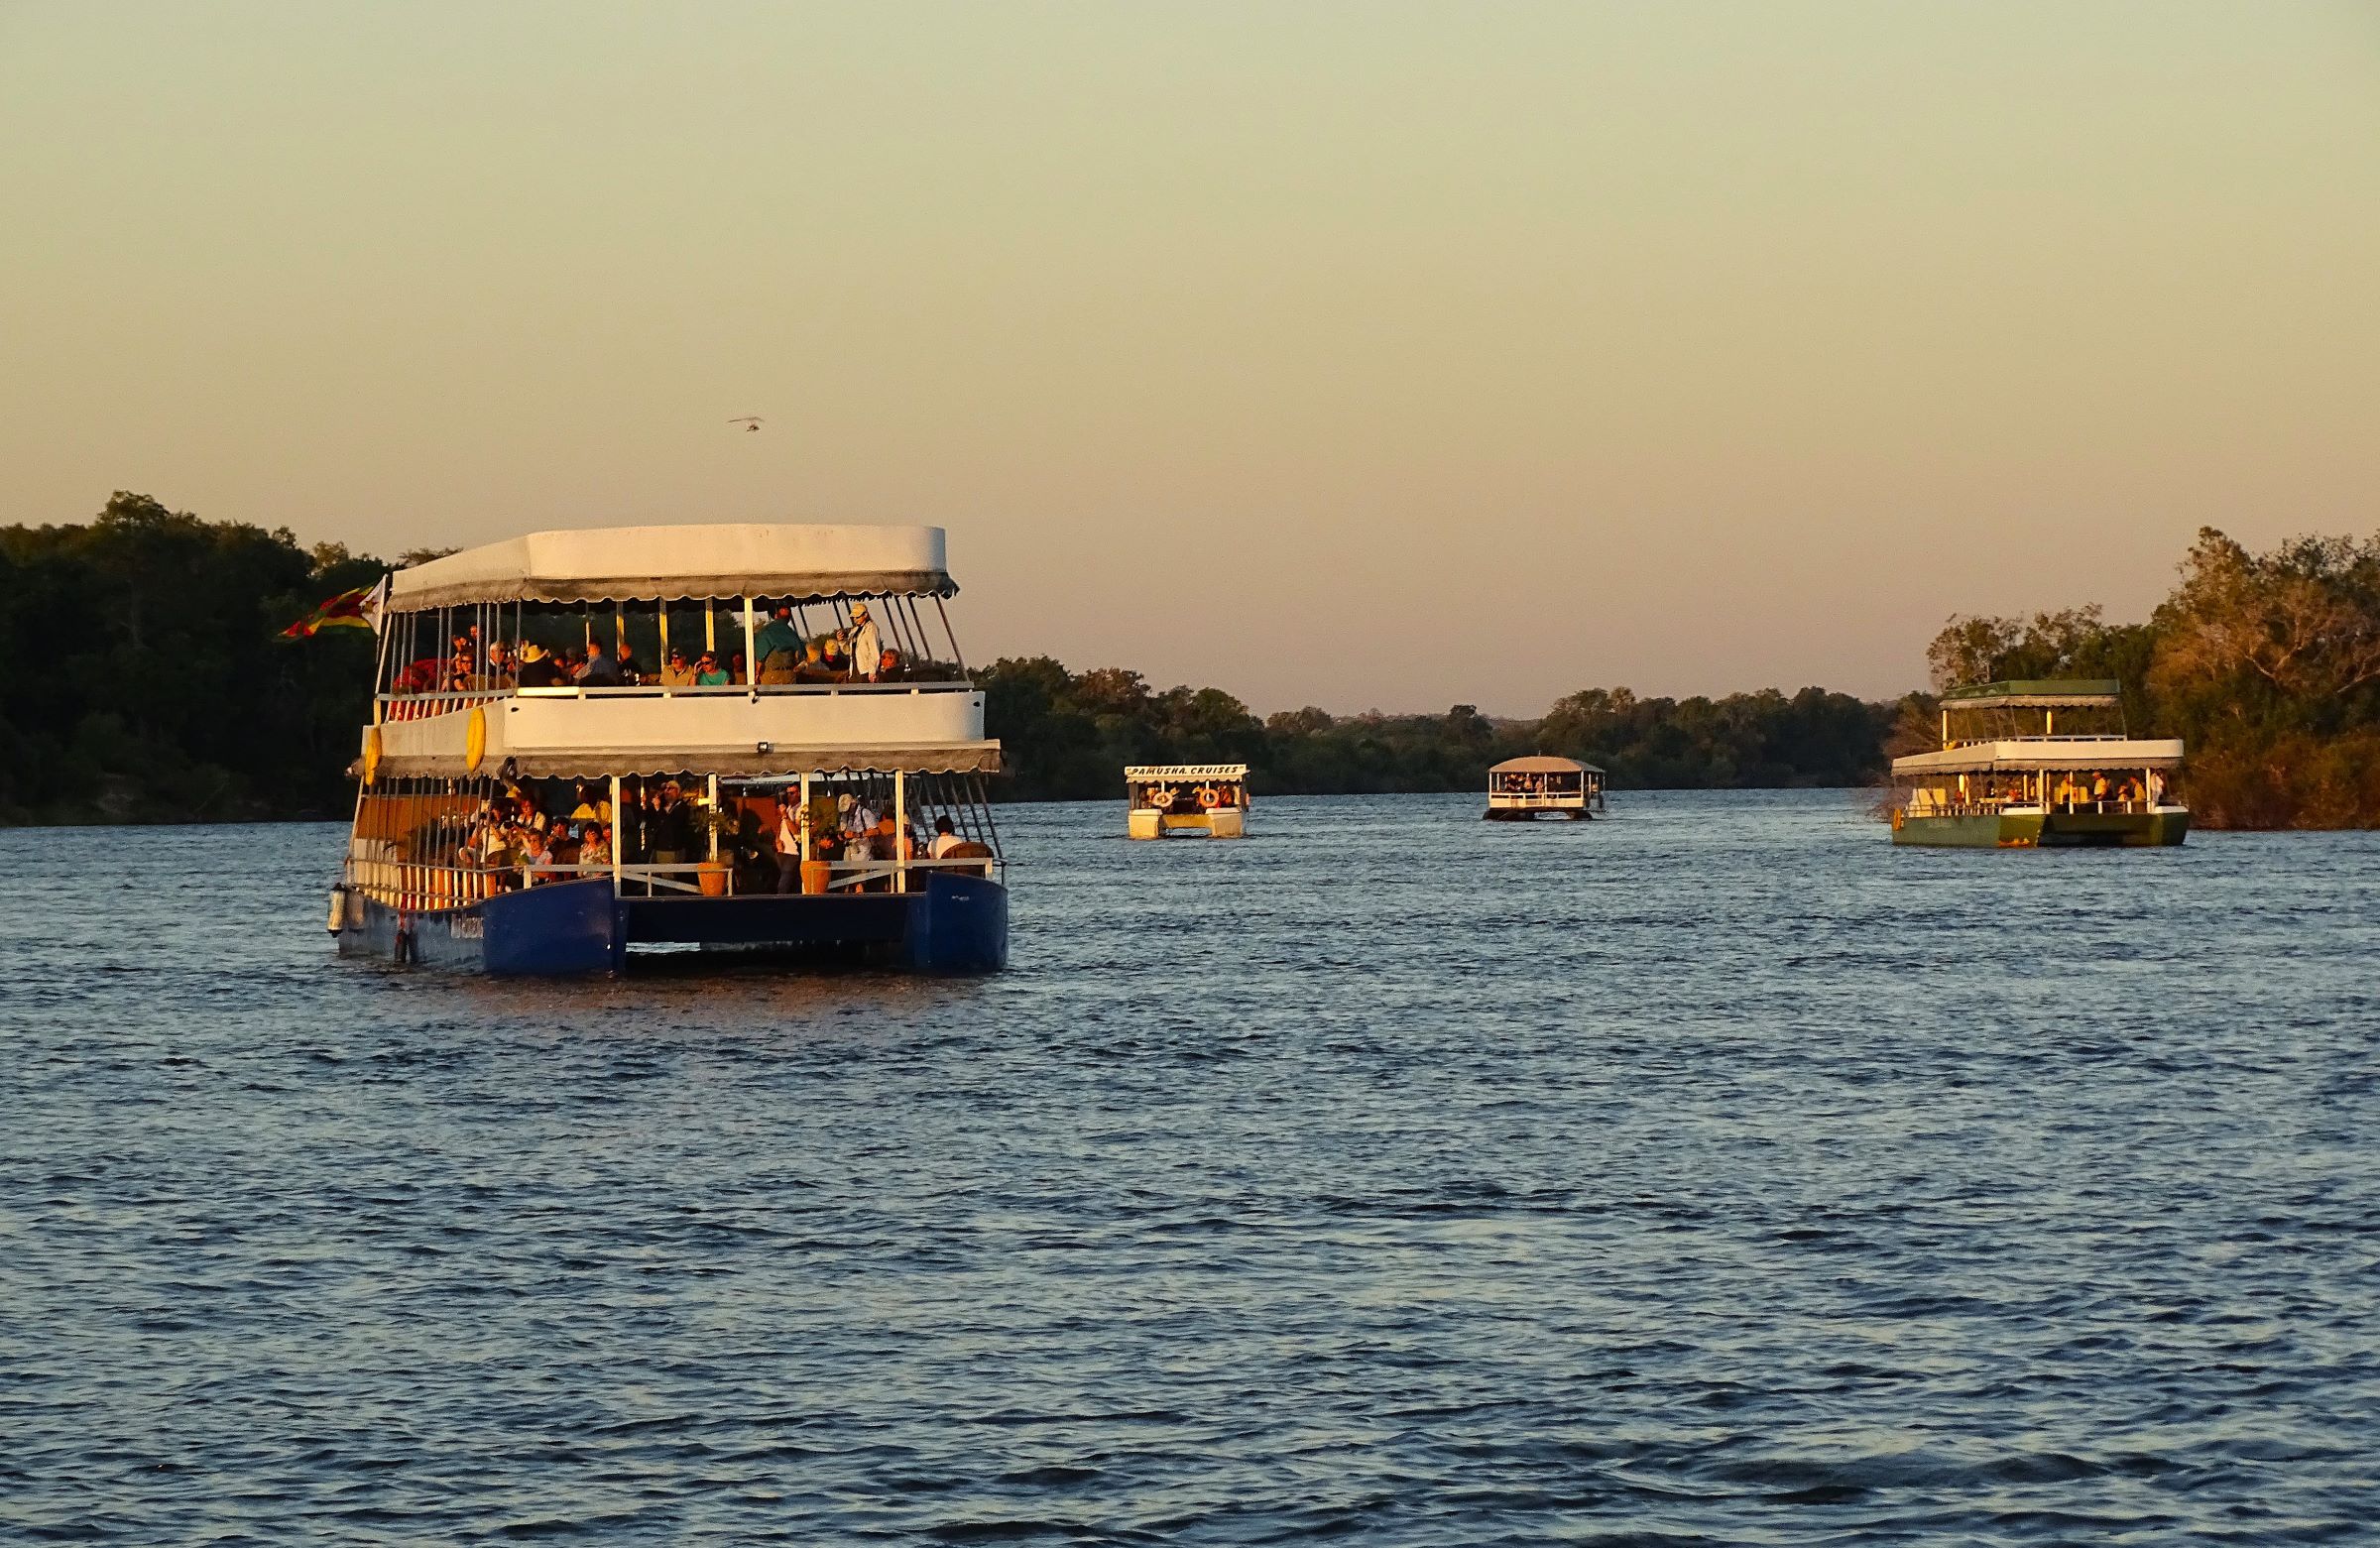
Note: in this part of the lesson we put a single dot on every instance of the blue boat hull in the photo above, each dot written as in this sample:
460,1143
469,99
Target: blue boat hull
955,925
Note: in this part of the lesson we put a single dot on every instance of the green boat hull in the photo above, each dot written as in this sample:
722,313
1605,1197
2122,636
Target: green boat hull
2057,831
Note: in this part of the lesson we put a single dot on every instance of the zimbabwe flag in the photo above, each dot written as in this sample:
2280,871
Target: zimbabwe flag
357,609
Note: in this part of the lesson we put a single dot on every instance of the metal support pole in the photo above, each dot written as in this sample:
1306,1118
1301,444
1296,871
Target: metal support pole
752,665
900,830
956,658
804,817
616,845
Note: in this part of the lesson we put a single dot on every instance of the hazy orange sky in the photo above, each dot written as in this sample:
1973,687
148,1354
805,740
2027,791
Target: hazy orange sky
1356,355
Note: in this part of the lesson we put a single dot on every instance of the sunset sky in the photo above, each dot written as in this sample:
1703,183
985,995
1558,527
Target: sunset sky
1358,355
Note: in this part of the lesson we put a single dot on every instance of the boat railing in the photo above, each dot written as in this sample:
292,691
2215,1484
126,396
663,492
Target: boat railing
417,706
1992,807
422,706
418,888
2080,736
1538,797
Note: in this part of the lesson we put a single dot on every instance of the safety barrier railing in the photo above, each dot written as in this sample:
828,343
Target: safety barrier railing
2026,805
416,706
422,888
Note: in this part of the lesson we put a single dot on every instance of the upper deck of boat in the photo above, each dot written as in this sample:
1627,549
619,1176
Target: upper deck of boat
1997,747
719,583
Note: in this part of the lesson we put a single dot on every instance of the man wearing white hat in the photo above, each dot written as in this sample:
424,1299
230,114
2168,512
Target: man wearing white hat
866,648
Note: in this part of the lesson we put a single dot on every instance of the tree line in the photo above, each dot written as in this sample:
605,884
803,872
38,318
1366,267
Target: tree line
142,678
1068,736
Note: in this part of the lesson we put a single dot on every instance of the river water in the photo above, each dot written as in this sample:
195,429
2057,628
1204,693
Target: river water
1714,1173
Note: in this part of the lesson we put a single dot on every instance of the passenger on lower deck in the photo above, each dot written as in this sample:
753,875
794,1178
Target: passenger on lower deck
790,818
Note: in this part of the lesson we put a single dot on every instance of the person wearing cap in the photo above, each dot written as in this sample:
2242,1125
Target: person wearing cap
671,828
866,647
675,673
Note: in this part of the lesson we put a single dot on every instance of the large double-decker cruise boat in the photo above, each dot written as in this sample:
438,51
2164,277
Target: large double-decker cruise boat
2006,776
587,741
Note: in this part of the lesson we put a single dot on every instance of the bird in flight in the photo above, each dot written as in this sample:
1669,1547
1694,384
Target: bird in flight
750,421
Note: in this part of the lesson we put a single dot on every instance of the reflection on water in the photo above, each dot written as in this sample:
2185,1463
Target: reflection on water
1715,1171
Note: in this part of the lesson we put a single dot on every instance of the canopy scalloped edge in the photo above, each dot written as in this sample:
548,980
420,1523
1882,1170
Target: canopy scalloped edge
981,758
710,588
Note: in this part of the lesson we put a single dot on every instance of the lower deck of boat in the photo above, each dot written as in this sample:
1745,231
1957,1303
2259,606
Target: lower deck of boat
2044,830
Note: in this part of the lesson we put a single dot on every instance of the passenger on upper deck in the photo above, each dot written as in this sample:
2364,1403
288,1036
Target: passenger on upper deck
866,647
600,672
538,670
708,673
675,673
777,646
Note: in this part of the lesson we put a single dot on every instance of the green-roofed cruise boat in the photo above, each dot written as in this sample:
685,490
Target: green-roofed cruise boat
2007,777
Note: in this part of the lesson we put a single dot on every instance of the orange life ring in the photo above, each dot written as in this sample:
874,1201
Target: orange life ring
1208,796
1160,797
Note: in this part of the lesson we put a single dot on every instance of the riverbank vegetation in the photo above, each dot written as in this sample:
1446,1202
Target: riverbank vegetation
142,678
1068,735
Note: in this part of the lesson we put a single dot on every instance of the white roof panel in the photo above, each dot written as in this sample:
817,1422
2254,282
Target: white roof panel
694,562
2021,753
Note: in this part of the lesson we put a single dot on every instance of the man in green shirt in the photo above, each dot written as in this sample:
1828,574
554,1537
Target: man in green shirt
777,645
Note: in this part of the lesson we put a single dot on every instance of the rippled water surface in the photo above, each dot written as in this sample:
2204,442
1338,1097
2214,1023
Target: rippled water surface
1714,1173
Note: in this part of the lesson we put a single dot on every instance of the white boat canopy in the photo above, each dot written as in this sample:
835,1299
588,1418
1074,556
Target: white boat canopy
2027,754
696,562
1543,762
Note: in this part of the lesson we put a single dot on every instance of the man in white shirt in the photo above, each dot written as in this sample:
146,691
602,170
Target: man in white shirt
867,645
790,820
944,840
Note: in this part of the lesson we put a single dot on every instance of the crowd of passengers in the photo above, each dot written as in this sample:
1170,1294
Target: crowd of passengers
2073,792
855,652
514,835
1539,784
